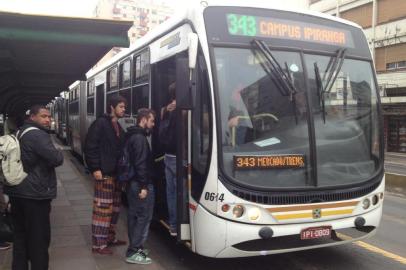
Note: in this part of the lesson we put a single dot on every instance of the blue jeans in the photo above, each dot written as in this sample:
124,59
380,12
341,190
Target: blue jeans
170,175
139,216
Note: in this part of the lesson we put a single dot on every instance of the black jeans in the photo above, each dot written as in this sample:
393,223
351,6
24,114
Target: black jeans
32,233
139,216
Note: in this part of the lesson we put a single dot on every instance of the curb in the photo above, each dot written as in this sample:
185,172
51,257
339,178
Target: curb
395,183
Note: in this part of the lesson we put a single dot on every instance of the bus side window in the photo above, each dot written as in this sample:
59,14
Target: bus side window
90,105
140,98
201,123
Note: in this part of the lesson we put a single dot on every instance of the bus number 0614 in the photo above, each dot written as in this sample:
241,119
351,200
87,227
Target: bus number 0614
212,196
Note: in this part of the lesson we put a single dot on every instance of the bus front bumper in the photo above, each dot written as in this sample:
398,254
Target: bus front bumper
227,239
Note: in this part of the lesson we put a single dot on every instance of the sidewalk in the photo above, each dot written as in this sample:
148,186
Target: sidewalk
71,226
395,158
395,171
395,154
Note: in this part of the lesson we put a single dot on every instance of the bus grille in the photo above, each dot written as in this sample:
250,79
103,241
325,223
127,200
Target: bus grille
276,198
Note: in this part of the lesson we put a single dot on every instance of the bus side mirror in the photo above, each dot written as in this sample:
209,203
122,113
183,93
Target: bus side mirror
184,86
193,41
186,76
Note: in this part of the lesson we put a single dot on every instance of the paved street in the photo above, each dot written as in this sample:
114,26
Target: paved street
378,252
70,248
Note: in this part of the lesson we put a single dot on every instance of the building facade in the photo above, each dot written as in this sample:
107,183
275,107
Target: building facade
146,14
384,24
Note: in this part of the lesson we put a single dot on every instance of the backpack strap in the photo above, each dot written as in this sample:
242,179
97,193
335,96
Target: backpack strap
19,137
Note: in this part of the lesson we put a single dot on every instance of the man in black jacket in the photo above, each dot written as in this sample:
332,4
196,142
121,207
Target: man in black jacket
140,191
103,146
31,199
167,137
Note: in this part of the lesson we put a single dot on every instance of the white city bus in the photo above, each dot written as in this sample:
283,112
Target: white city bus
279,139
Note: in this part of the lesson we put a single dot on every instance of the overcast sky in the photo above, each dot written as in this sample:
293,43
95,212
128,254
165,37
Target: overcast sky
78,8
84,8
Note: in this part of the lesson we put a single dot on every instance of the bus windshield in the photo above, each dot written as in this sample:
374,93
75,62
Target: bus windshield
265,126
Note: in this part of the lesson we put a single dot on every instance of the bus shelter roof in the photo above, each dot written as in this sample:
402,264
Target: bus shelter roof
40,56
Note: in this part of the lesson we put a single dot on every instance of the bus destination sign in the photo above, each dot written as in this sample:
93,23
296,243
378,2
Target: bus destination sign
269,162
254,26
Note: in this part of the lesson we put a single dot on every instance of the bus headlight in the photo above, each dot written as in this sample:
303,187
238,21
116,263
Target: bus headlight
366,203
375,199
238,211
254,213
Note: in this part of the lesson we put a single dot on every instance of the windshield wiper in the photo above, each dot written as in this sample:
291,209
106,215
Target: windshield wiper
333,68
282,79
320,90
330,76
274,70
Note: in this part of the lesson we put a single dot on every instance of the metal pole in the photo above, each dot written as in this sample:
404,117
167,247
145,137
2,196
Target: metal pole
338,8
374,23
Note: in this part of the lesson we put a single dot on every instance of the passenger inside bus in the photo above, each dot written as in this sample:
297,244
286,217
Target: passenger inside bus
167,137
242,121
238,120
258,108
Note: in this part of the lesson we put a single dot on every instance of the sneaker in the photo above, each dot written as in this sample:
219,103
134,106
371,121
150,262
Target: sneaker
102,251
130,252
173,232
139,258
5,246
117,242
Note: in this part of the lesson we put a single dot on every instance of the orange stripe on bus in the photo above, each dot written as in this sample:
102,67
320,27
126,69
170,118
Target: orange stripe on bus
311,207
310,215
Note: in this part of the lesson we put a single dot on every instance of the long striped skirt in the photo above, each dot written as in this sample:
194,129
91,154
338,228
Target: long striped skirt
106,210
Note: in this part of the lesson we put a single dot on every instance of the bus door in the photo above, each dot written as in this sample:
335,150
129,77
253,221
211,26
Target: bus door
165,73
82,115
99,100
175,69
185,99
183,151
